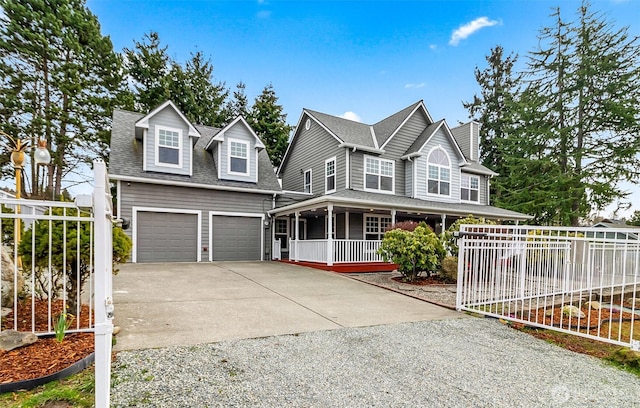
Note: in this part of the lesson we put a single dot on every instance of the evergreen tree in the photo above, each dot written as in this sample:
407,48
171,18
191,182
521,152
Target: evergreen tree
239,106
60,82
269,123
493,109
148,66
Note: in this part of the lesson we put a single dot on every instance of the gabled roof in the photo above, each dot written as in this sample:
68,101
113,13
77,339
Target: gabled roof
144,121
388,127
344,130
428,133
125,161
219,137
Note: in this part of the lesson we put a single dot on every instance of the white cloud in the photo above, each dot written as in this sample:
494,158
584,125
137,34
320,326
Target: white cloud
433,47
351,116
420,85
471,27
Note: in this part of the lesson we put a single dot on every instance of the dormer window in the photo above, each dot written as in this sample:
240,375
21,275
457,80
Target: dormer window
238,157
438,173
168,147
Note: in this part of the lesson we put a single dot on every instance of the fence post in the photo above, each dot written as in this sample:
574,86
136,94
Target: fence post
103,303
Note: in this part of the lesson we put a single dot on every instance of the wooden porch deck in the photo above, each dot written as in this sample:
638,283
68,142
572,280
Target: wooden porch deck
355,267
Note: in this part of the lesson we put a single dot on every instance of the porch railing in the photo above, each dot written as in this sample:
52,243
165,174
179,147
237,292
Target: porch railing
583,281
344,250
276,250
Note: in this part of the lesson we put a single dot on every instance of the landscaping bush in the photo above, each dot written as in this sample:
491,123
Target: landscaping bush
450,242
449,270
414,251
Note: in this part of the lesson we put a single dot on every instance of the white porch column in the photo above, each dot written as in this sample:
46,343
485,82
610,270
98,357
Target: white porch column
346,225
443,220
393,217
330,234
297,235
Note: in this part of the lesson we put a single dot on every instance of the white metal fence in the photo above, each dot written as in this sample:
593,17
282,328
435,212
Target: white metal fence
583,281
61,261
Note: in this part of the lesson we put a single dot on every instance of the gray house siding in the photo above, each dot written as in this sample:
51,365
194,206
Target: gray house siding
438,139
310,150
168,118
468,138
398,145
408,178
240,133
356,227
191,199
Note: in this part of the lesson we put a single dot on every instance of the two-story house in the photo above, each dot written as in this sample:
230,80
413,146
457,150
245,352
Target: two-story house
345,182
192,193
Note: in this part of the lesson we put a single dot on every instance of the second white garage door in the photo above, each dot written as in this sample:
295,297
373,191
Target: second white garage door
236,238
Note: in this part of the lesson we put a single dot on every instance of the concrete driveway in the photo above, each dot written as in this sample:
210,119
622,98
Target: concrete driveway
160,305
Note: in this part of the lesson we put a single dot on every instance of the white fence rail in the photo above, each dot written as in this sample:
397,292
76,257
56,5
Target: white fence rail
61,261
583,281
351,250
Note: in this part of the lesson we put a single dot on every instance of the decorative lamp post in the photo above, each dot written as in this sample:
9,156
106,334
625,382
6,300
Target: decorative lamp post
41,156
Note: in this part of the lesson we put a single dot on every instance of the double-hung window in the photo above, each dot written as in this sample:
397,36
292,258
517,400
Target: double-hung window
307,181
330,175
238,157
169,147
375,226
469,188
438,173
379,174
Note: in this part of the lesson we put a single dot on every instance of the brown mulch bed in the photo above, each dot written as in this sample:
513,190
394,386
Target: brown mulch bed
589,322
46,356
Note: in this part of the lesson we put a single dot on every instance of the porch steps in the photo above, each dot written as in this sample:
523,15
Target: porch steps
355,267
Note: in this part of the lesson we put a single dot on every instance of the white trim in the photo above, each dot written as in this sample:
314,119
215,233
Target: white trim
373,137
119,198
144,149
235,214
364,177
156,146
347,176
248,158
452,139
439,147
192,185
219,137
304,181
144,121
134,227
335,174
471,141
469,188
190,159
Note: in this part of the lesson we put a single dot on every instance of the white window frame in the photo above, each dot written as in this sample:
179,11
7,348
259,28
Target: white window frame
157,147
380,229
379,175
468,187
248,158
440,168
304,181
334,175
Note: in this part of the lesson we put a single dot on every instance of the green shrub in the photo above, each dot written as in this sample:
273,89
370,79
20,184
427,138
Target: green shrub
450,242
449,270
414,251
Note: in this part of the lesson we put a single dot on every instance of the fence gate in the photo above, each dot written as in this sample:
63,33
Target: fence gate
56,258
583,281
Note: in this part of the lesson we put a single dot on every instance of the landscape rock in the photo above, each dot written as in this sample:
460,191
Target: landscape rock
572,311
594,305
4,311
11,339
7,279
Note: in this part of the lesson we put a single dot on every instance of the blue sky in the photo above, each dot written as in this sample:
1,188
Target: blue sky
362,59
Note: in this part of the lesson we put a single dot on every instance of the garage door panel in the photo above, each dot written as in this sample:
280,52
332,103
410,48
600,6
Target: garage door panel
166,237
236,238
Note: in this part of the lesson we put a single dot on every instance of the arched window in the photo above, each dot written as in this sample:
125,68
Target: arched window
438,173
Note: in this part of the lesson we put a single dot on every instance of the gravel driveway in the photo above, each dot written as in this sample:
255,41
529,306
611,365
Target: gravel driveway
469,362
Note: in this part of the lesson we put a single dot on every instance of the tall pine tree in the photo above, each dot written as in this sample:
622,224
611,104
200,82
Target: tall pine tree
269,123
61,80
